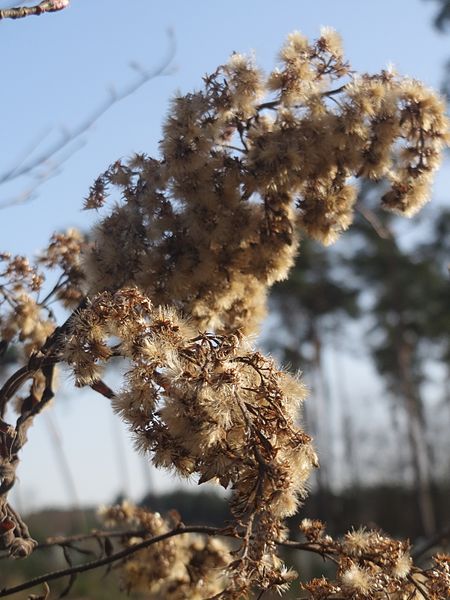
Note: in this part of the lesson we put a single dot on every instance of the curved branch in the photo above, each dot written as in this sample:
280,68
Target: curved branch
18,378
309,547
95,564
112,558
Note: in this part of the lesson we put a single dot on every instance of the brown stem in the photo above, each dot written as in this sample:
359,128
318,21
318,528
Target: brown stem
112,558
380,229
46,6
95,564
419,587
273,104
16,380
48,351
309,547
69,540
81,537
100,387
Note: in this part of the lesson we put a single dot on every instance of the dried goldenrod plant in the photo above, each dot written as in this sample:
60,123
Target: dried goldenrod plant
174,280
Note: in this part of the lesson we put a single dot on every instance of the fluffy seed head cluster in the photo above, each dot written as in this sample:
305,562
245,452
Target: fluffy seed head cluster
21,316
180,567
372,566
64,253
25,315
204,404
246,162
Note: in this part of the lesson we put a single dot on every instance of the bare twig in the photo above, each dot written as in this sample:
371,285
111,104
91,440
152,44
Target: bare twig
100,387
380,229
25,167
95,564
28,151
112,558
309,547
18,378
41,177
95,534
46,6
17,540
419,587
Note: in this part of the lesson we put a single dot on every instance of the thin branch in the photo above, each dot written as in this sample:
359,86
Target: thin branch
274,104
309,547
27,152
419,587
100,387
46,6
81,537
42,177
95,564
144,77
49,357
95,534
380,229
112,558
18,378
73,570
12,439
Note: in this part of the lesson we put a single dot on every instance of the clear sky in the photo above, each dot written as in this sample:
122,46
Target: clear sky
58,68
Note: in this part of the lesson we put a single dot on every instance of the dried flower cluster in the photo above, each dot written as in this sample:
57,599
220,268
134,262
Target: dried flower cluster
64,254
176,278
369,565
27,323
25,314
22,318
372,566
184,566
205,404
248,160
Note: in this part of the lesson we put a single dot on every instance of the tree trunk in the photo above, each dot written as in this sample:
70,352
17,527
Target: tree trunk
322,427
417,440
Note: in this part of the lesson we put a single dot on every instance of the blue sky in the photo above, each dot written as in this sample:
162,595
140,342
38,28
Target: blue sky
57,68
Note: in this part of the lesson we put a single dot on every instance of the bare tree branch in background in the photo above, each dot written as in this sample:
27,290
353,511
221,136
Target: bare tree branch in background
442,18
27,166
46,6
